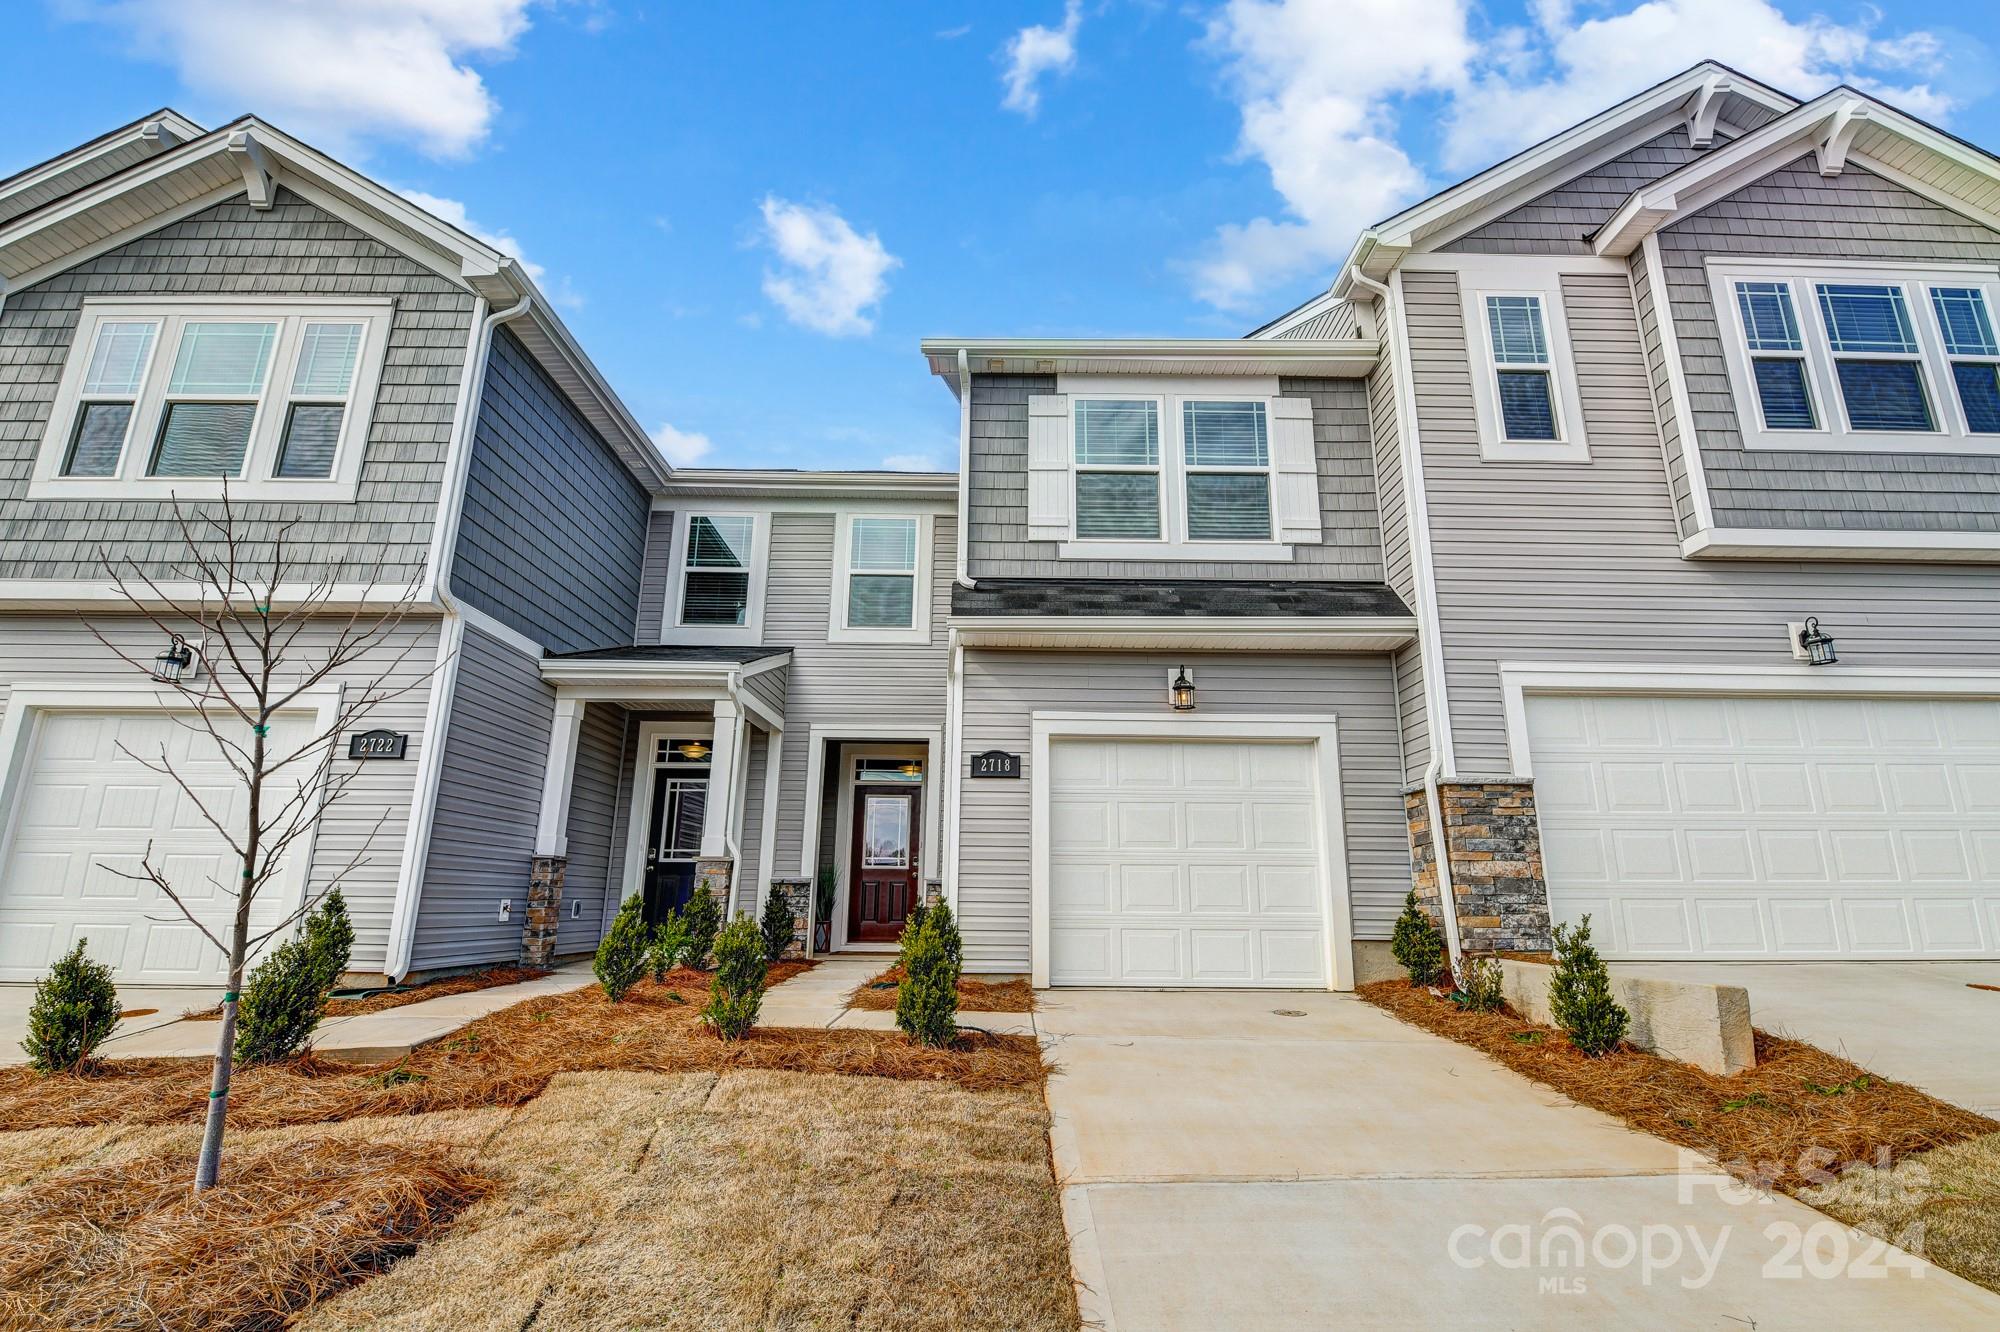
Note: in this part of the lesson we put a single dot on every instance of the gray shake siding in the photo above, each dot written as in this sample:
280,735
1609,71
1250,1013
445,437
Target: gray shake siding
234,250
1351,545
653,575
1397,566
1558,221
1855,215
359,842
1547,562
1004,689
553,534
593,813
489,799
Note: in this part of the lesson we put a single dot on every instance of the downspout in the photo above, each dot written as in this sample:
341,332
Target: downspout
954,739
964,467
1391,322
437,709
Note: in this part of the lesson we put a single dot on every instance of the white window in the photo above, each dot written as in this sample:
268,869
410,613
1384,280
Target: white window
162,397
1523,375
1845,355
1172,470
717,578
881,579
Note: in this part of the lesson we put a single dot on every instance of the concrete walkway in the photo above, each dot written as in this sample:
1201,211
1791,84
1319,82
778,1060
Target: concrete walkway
1917,1022
167,1003
818,998
1286,1160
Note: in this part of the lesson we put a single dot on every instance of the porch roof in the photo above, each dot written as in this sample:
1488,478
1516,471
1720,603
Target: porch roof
1235,615
674,652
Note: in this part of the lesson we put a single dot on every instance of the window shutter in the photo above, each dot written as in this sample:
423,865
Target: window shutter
1048,467
1296,464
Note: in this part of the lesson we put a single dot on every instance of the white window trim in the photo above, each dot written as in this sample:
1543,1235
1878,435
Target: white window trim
256,481
1834,434
837,628
1173,543
751,632
1570,444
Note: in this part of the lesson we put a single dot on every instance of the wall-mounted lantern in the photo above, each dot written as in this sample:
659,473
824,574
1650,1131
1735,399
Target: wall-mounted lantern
1180,691
172,665
1816,647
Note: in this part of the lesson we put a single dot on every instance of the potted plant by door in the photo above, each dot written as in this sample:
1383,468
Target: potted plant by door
823,913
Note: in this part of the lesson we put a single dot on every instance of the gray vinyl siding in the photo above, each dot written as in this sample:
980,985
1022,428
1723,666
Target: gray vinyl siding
747,890
1004,689
593,816
1556,562
653,575
553,534
1855,215
1400,571
1558,221
359,842
1351,544
489,799
1672,445
1339,320
235,250
768,687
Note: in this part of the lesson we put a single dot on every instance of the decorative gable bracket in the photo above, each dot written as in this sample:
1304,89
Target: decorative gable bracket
1840,131
1706,110
259,177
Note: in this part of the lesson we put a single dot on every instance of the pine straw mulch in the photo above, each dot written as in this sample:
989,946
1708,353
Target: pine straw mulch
131,1245
978,996
506,1059
415,994
1800,1112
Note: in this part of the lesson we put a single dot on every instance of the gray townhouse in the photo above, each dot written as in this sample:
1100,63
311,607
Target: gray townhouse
1617,533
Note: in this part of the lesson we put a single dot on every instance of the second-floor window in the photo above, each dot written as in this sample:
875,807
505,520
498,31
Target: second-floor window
881,582
161,397
1527,402
715,586
1209,481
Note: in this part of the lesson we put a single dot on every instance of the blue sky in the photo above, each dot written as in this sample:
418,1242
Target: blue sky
751,212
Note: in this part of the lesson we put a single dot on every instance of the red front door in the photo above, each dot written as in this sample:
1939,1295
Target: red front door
883,875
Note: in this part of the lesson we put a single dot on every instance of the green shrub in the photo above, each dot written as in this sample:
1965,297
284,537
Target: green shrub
1480,985
1580,994
670,941
703,915
287,991
927,999
738,988
1417,945
621,957
74,1008
777,924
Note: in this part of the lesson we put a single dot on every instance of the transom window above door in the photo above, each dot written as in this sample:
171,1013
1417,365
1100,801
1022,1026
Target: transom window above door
1834,355
1190,470
881,579
158,398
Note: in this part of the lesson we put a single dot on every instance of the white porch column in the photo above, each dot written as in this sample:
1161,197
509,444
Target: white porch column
552,828
717,814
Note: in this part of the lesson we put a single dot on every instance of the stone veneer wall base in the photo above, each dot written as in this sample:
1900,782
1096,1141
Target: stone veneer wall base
1493,839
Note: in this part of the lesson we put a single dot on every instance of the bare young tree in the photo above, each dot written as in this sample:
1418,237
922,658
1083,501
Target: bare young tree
267,638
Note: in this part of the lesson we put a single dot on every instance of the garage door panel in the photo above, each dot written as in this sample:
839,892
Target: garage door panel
1155,956
1281,768
1219,890
1288,890
1283,828
1221,957
1083,953
1141,767
1791,827
1293,956
1144,826
1082,824
1079,888
1213,826
1149,889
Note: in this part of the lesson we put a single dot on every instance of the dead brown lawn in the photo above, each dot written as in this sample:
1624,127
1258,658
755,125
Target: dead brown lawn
416,994
738,1199
1944,1204
507,1059
978,996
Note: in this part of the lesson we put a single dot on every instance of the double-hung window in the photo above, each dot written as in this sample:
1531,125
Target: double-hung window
1226,447
1966,322
715,573
1524,376
1525,397
1777,355
1875,356
881,585
1118,487
159,397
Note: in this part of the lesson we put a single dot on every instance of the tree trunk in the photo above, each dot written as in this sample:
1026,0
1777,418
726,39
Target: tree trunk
210,1165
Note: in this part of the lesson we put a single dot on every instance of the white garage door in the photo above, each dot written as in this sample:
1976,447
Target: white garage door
1772,827
1184,863
87,813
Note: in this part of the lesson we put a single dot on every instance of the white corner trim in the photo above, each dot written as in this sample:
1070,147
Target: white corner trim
863,733
1321,731
1832,543
1677,389
1521,680
423,800
919,629
558,775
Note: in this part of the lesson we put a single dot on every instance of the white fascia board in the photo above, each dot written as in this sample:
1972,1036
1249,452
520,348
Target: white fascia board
101,594
1773,543
167,128
717,482
1323,357
1248,633
666,673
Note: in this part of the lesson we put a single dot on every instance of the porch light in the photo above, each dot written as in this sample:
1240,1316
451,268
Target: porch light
913,768
694,751
171,666
1180,693
1818,646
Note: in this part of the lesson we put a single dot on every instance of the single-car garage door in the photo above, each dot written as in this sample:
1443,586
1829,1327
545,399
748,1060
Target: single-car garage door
87,812
1772,828
1184,863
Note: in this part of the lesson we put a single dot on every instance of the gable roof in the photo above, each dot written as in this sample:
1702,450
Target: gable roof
105,155
249,157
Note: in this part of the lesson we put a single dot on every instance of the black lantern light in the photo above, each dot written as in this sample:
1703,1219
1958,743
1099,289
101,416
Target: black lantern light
171,666
1181,692
1817,646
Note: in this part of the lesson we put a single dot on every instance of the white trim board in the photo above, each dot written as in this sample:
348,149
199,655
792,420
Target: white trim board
1518,680
931,793
1832,543
1321,731
843,733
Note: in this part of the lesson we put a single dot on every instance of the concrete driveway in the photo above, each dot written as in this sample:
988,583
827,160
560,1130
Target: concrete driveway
168,1003
1917,1022
1284,1160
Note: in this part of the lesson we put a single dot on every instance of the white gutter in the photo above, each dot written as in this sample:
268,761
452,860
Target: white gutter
964,468
444,680
1430,644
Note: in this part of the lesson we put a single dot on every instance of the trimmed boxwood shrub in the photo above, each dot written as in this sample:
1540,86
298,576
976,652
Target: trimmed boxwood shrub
287,991
621,957
1580,994
670,942
777,924
927,998
737,991
703,916
1417,946
74,1009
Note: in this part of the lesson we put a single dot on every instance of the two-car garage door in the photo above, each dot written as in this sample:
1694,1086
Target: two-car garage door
1192,863
1772,827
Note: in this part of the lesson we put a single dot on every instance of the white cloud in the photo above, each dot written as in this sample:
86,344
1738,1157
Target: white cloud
682,448
341,72
831,276
1321,87
912,462
558,291
1035,51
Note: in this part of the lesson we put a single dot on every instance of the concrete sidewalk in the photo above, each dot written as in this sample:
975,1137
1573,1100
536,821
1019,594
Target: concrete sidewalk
818,998
167,1003
1288,1160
